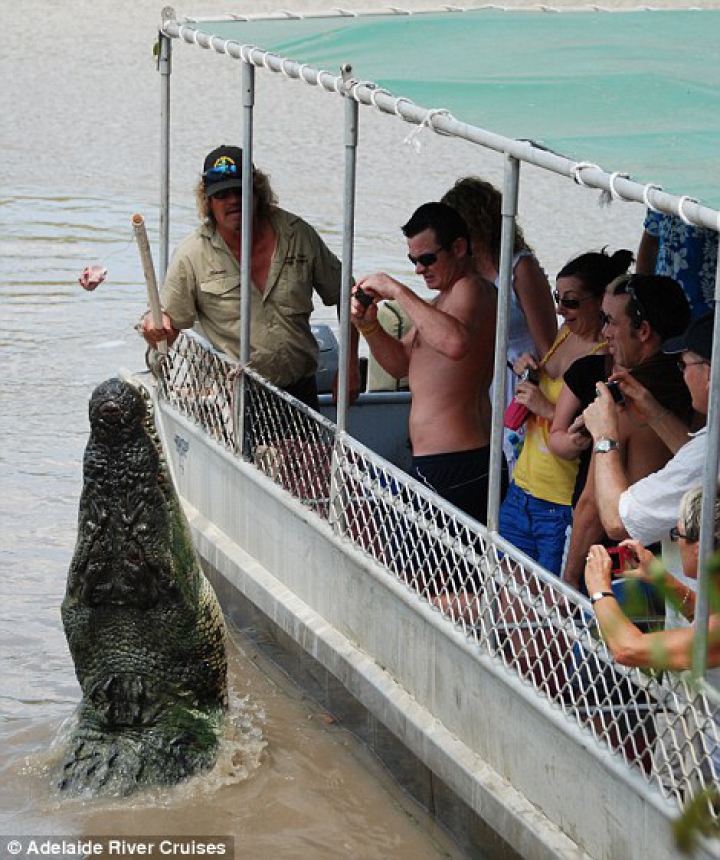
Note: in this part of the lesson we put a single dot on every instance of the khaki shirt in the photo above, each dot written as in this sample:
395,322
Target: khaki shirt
203,284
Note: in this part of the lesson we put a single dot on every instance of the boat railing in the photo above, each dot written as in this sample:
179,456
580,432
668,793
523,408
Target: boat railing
505,604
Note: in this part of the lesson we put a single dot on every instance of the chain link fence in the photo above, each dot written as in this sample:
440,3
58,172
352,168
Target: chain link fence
510,608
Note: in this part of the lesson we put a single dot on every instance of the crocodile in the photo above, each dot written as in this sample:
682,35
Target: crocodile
143,624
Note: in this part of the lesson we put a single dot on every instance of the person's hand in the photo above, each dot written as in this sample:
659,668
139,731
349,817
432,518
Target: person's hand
638,397
380,286
530,395
154,335
363,314
643,561
601,416
578,435
598,566
523,362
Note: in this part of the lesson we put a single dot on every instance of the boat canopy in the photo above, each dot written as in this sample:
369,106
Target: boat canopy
636,93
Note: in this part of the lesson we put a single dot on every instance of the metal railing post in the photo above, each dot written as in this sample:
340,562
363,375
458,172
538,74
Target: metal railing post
248,105
351,144
165,69
511,184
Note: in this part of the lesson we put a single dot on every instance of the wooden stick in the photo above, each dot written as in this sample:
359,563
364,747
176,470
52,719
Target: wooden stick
138,223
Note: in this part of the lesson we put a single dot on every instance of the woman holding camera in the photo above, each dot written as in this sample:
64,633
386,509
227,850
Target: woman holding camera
537,511
664,649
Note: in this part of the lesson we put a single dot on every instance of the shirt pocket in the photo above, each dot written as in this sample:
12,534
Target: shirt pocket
219,286
215,295
293,292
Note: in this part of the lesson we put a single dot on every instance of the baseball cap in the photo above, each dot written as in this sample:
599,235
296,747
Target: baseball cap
222,169
697,338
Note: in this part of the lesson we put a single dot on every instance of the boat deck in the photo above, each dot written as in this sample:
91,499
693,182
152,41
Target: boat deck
458,649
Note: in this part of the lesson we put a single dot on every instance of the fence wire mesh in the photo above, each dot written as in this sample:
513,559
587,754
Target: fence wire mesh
512,609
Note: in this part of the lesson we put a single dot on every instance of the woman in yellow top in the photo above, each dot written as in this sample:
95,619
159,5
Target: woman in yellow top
536,513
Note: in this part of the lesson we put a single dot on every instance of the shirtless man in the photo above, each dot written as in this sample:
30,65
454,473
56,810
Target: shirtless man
447,355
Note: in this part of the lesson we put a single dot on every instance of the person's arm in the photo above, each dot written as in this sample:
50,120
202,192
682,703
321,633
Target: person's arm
669,428
587,529
669,649
567,440
353,367
449,334
647,254
607,469
533,291
391,353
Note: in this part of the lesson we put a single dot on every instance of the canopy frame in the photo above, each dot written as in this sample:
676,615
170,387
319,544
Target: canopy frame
617,185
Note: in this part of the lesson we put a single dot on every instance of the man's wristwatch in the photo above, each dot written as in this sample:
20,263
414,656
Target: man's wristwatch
604,446
599,596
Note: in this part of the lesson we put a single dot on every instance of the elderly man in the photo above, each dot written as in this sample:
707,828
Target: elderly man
639,313
288,262
447,355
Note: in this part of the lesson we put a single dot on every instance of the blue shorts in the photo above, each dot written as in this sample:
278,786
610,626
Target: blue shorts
536,527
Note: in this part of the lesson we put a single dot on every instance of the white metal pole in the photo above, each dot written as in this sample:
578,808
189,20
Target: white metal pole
153,293
511,186
248,105
351,144
165,69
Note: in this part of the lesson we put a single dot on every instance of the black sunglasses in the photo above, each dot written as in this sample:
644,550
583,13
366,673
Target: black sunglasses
570,304
425,260
682,364
225,193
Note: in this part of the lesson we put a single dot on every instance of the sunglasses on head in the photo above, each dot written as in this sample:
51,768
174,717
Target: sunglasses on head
425,260
220,171
634,309
570,304
676,534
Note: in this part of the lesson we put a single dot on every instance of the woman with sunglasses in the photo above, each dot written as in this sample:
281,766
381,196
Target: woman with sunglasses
669,649
533,324
537,511
664,649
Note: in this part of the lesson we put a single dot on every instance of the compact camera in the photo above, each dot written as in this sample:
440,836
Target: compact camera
622,558
530,375
364,298
616,393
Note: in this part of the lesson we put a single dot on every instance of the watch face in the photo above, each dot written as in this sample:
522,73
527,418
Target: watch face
605,445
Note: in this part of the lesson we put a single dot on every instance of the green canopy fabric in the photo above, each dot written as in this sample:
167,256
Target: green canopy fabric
635,92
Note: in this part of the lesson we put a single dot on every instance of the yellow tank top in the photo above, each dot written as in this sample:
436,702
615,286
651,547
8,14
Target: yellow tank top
538,471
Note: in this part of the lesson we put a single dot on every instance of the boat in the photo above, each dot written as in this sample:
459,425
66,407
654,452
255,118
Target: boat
511,723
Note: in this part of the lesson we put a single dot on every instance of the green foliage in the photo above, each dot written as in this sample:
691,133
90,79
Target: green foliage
699,818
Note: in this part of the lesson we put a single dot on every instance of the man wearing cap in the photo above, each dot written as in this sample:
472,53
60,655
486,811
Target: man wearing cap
648,509
289,261
639,313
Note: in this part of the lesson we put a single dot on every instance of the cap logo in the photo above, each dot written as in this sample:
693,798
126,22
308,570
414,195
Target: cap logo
224,164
